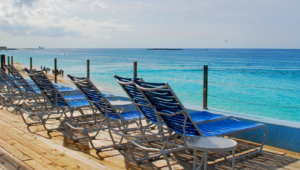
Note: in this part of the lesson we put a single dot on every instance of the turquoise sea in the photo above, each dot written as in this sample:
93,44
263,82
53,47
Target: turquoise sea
264,82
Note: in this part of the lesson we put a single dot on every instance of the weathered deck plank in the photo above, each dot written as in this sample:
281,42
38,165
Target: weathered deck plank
11,149
35,156
13,160
28,143
40,151
36,165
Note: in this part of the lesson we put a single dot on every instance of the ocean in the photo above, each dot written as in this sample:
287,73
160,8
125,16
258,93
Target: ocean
264,82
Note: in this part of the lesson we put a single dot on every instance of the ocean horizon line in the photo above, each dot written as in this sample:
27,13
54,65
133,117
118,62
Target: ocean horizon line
30,48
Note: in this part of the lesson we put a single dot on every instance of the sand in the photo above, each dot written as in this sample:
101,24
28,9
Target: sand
63,80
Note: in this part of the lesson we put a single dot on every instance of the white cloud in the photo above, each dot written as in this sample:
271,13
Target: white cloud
155,23
99,5
140,5
56,18
93,29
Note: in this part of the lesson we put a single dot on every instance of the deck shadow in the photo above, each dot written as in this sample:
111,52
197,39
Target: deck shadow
184,160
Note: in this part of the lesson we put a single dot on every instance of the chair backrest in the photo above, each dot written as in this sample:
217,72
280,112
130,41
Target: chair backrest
93,95
19,78
136,97
47,88
3,77
2,82
6,80
168,107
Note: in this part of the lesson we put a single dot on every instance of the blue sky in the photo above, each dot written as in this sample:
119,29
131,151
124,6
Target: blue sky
150,24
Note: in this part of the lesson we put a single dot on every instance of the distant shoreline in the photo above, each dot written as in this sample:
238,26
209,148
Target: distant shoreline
6,49
164,49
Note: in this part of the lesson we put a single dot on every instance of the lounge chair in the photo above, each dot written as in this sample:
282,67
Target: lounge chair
56,100
136,97
113,120
173,114
28,85
11,94
141,104
29,92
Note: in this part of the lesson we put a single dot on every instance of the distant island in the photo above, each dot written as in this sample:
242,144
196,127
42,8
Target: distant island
164,49
5,48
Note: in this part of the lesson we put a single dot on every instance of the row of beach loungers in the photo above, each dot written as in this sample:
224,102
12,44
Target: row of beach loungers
159,116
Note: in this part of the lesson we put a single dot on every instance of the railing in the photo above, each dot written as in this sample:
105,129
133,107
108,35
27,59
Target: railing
204,82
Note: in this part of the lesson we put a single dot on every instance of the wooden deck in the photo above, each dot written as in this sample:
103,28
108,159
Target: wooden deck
33,148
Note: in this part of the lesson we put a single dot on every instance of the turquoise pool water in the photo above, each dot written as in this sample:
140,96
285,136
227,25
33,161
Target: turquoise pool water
261,82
